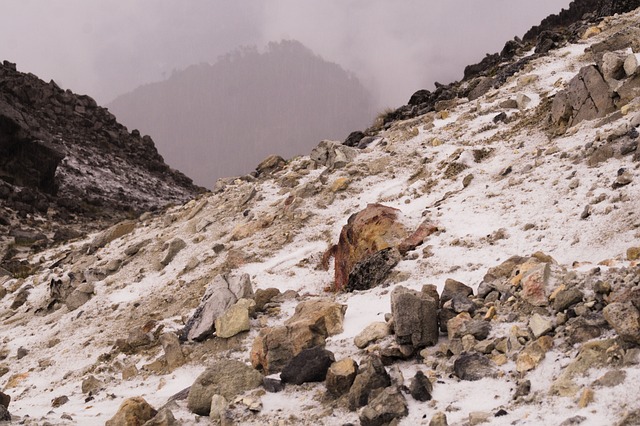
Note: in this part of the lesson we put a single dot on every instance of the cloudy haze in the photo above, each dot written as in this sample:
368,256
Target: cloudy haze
105,48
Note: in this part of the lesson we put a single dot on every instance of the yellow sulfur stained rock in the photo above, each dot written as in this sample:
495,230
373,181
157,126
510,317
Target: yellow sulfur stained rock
340,184
590,32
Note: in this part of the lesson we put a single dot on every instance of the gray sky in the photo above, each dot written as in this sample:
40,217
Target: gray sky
106,48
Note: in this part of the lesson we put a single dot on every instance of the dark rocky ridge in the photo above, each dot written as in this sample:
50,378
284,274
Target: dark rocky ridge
63,156
553,32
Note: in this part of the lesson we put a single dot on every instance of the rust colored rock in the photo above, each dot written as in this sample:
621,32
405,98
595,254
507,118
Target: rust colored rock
367,233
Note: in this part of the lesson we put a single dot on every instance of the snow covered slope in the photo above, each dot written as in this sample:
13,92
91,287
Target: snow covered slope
495,176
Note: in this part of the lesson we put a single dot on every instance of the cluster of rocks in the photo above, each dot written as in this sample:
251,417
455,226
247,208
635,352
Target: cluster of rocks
64,157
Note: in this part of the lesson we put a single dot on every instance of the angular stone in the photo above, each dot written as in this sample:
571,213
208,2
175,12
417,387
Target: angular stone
612,66
453,288
220,294
310,365
271,164
175,246
371,375
473,366
264,296
116,231
534,284
624,318
371,333
132,411
421,387
235,319
313,321
164,418
611,379
455,325
567,297
540,325
439,419
226,377
633,253
333,154
172,350
340,376
415,317
388,406
630,65
533,353
218,409
91,385
372,271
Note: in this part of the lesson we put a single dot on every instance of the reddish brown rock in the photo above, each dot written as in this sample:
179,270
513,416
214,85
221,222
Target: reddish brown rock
370,231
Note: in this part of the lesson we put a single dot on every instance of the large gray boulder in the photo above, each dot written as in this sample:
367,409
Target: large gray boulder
226,377
332,154
586,97
221,294
415,317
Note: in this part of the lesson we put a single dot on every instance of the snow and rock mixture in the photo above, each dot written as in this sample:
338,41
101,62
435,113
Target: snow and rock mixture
478,263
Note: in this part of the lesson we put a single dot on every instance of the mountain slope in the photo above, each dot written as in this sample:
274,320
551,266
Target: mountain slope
529,198
220,120
66,164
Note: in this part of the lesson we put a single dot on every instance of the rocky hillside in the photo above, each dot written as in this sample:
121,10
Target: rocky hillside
221,119
470,260
68,167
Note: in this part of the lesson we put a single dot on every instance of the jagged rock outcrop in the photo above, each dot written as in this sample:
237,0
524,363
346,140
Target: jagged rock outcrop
64,156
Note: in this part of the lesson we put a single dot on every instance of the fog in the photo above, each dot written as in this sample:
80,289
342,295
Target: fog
105,48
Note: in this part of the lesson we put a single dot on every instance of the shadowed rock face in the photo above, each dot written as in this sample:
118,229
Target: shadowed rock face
24,160
64,156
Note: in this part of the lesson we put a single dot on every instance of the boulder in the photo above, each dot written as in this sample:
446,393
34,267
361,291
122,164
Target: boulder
453,288
164,418
174,247
116,231
340,376
483,85
415,317
220,295
612,66
310,365
235,319
312,322
586,97
420,387
533,353
371,376
4,414
473,366
630,65
372,271
368,232
264,296
5,399
332,154
534,285
269,165
624,318
371,333
132,412
172,350
389,405
566,298
225,377
354,138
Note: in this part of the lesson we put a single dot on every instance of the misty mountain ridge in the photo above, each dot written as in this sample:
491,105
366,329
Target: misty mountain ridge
218,120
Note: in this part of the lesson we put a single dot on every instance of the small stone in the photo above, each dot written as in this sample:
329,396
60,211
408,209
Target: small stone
586,398
566,298
340,376
371,333
611,379
60,400
523,388
164,418
633,253
175,246
218,407
624,178
340,184
540,325
91,385
572,421
235,319
388,406
473,366
22,352
439,419
129,372
420,387
478,417
133,411
522,101
624,318
310,365
272,385
630,65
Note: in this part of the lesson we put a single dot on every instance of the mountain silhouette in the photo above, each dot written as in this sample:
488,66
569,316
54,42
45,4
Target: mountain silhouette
220,120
